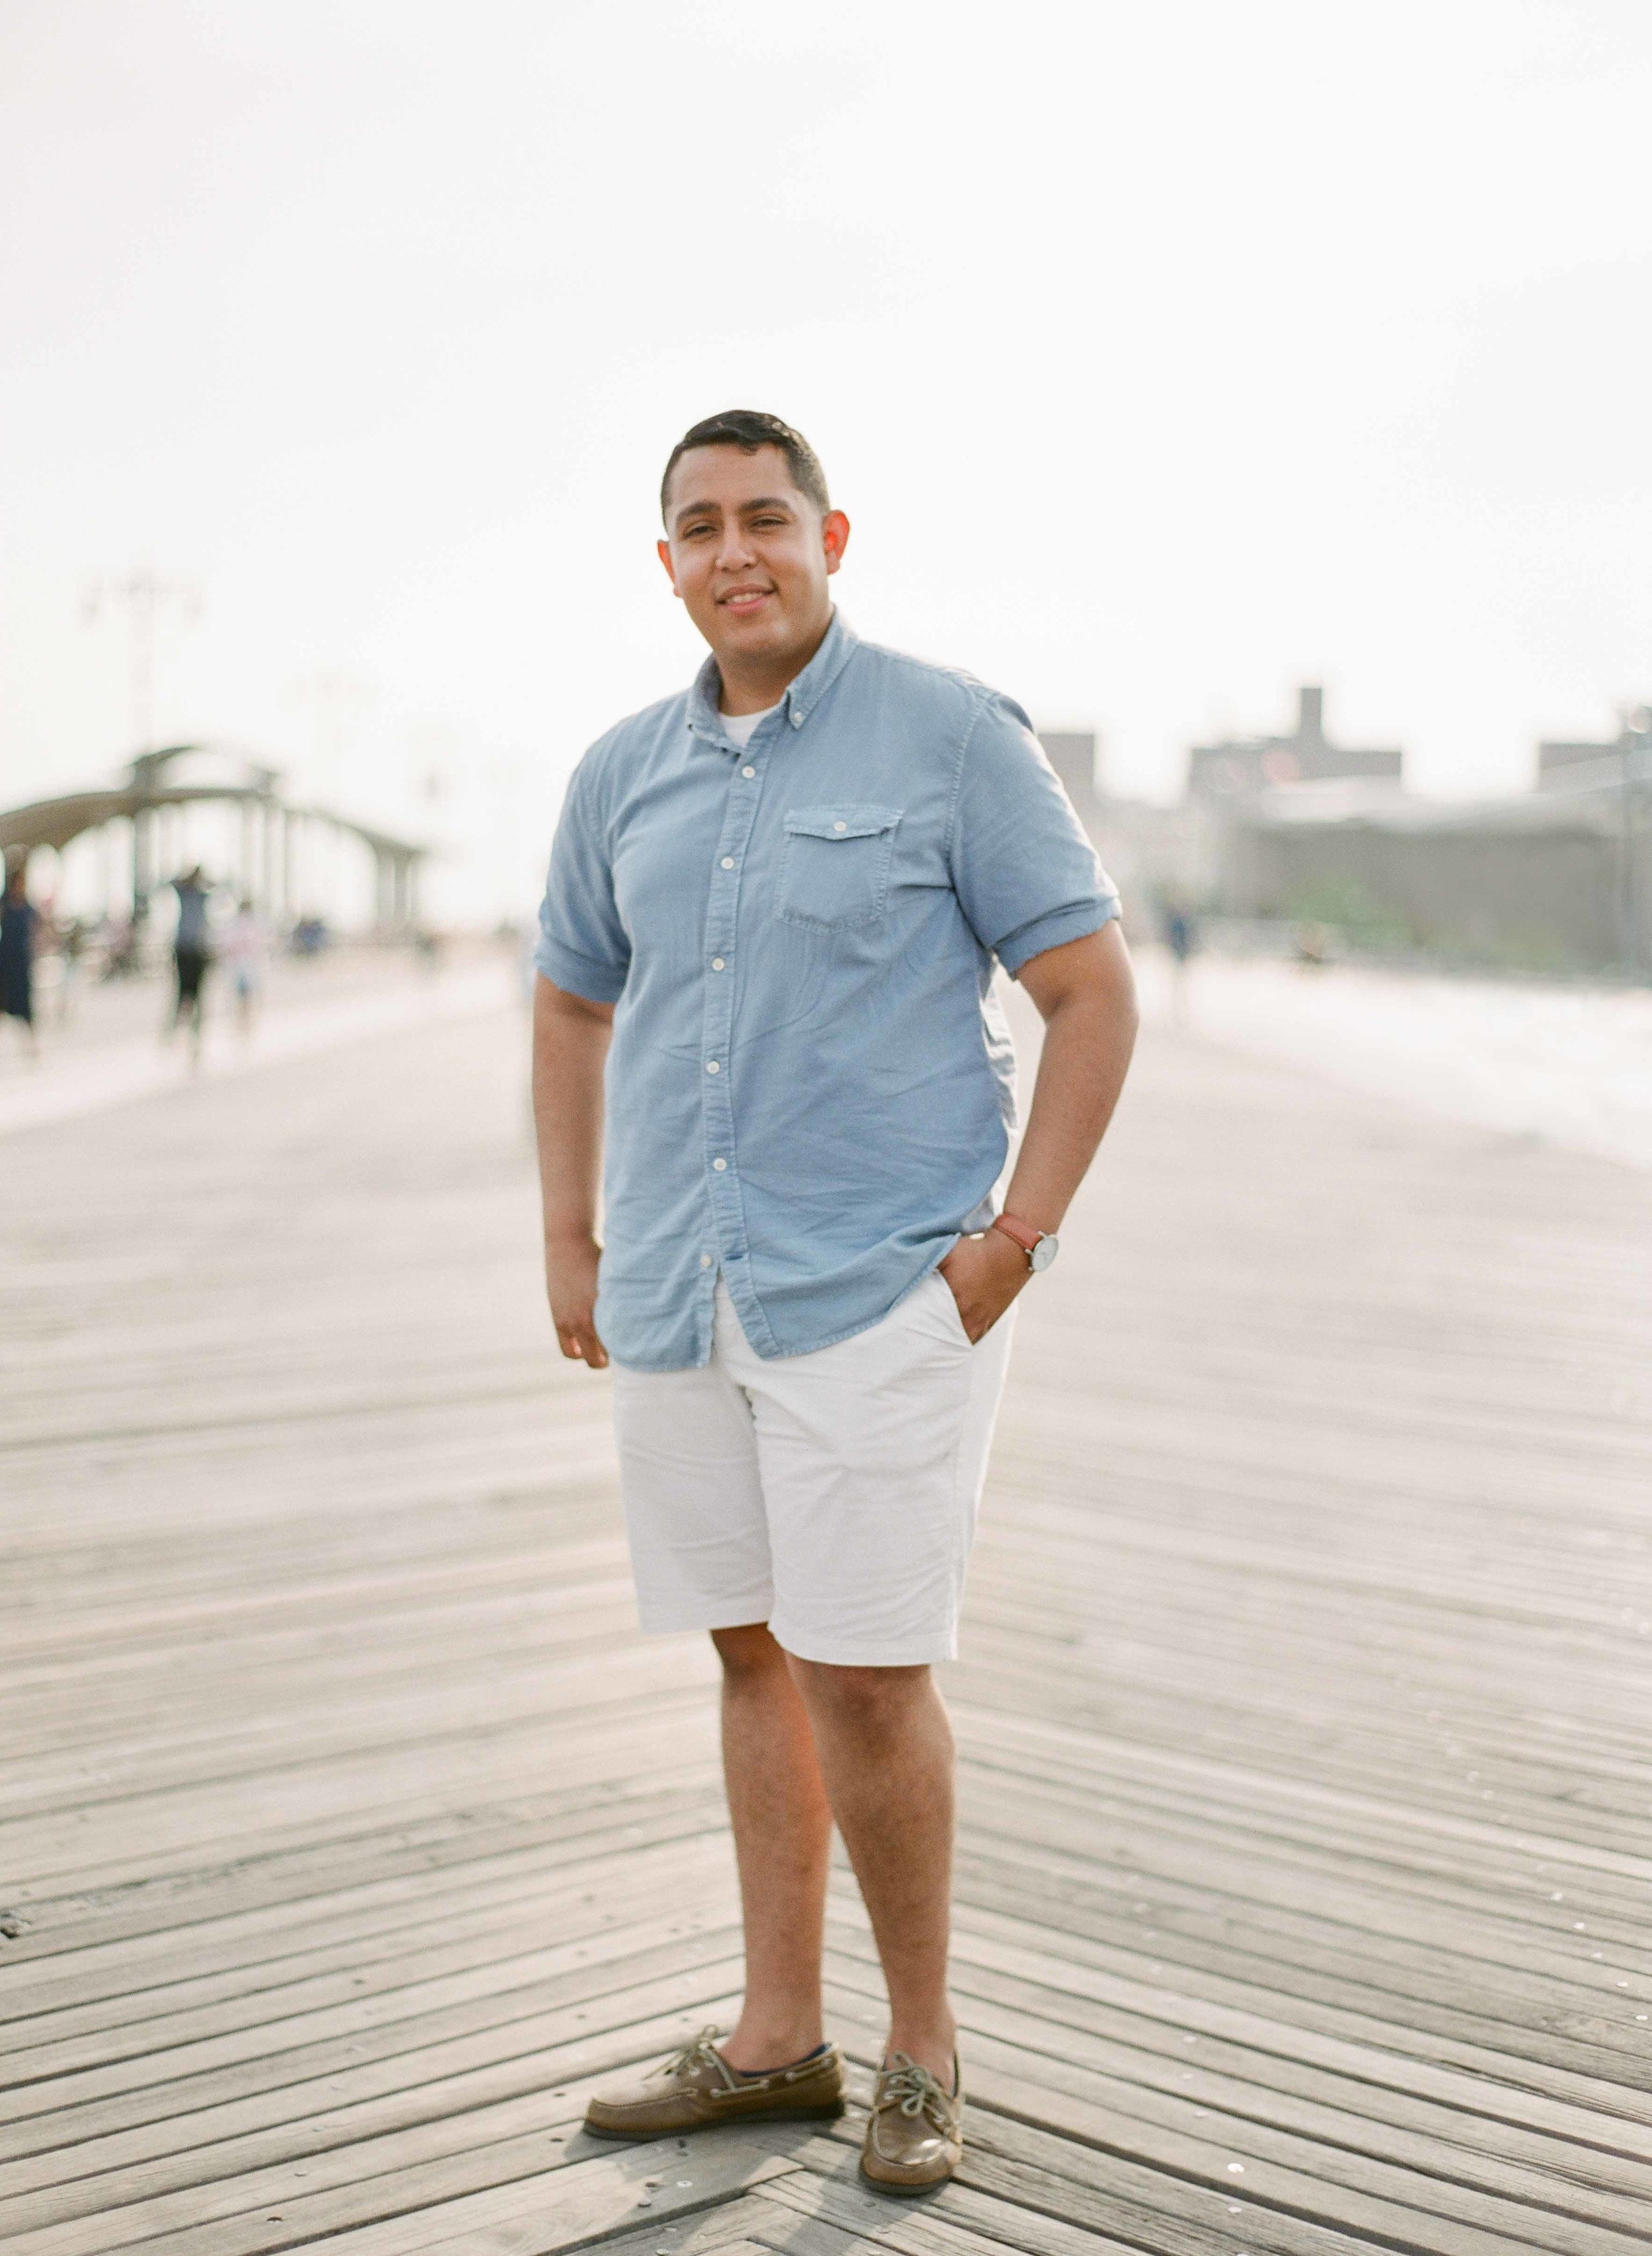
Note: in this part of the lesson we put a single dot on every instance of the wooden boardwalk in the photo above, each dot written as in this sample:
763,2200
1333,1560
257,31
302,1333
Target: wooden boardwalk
348,1830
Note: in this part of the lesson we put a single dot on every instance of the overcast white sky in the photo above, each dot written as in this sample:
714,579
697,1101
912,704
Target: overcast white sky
1162,356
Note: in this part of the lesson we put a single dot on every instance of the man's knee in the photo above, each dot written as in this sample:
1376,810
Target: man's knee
748,1652
868,1702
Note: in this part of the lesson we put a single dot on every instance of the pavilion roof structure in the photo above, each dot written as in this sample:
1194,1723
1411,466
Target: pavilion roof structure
57,821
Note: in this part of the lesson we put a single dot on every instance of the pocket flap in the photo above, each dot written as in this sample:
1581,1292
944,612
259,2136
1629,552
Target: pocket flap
834,823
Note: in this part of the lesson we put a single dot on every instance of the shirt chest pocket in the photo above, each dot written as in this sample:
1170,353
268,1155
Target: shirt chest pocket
835,864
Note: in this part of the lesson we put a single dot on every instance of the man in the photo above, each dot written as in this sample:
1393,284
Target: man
768,936
191,950
245,951
20,927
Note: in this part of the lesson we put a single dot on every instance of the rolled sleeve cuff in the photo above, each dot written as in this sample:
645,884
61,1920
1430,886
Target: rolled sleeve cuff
579,974
1074,921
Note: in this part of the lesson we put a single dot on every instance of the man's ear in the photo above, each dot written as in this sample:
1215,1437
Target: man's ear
834,534
663,549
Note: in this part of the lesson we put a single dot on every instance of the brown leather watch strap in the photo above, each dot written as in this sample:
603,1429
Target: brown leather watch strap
1023,1233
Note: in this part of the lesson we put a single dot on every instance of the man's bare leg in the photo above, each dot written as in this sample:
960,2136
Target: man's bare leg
884,1748
782,1838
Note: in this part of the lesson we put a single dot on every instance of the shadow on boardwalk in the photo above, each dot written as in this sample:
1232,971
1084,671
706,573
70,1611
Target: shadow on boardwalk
348,1831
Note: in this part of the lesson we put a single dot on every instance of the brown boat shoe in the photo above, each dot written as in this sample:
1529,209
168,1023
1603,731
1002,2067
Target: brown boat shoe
914,2134
696,2086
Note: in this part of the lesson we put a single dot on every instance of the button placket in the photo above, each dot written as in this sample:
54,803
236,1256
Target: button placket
718,1018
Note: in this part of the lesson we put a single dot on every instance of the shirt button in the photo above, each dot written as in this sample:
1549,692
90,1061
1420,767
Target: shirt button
748,773
705,1260
720,1165
840,826
728,861
712,1065
718,963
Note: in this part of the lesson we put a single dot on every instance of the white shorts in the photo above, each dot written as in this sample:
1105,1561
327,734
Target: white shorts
832,1495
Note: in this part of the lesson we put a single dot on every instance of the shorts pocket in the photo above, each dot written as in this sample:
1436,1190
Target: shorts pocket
947,1314
834,865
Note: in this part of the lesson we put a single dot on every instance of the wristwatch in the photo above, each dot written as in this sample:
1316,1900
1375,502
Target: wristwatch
1041,1246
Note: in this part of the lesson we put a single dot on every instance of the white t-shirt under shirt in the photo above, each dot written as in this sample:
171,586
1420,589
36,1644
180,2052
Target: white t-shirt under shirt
740,728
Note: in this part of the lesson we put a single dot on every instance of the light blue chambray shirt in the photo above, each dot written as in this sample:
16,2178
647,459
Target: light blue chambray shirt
810,1088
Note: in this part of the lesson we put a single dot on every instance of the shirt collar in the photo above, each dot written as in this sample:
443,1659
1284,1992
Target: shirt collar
801,696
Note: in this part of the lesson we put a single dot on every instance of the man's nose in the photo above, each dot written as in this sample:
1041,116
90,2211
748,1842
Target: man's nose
734,550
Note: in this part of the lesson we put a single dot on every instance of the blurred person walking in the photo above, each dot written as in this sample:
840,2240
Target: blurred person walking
123,943
19,925
192,954
245,950
72,943
769,933
1181,935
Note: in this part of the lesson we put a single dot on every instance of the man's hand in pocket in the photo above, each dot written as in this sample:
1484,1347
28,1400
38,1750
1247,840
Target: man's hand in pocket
984,1273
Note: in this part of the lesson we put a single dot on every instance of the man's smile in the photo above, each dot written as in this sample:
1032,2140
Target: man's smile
745,599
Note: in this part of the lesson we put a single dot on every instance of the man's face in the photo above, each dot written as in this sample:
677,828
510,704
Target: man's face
749,554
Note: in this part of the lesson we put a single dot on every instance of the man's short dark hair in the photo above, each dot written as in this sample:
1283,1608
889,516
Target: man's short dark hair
748,429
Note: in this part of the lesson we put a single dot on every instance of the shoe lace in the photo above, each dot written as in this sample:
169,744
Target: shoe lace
701,2052
907,2084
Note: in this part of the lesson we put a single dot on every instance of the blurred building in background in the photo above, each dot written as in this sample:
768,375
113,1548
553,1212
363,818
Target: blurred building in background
1570,766
1297,828
1245,766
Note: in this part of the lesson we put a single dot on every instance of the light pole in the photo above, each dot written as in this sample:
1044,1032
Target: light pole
144,594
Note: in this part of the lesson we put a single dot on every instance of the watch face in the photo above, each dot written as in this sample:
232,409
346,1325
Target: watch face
1044,1252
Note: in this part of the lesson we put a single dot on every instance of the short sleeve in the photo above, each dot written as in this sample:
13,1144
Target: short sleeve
1024,871
582,946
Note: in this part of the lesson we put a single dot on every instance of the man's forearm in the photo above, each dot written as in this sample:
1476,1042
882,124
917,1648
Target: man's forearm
1090,1031
570,1045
